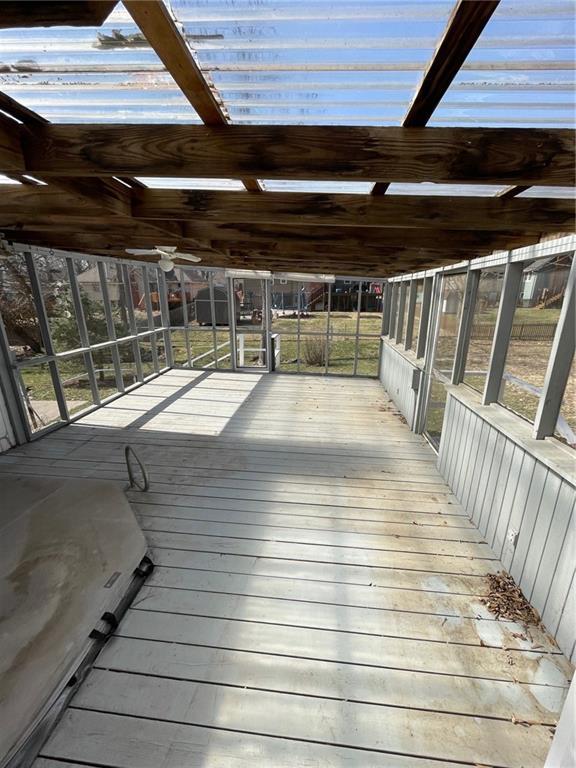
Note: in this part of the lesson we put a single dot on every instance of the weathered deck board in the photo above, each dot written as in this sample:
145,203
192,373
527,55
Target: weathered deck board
316,600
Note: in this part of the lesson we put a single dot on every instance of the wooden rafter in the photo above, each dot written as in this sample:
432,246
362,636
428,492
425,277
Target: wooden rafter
468,213
156,24
524,215
466,23
277,237
443,155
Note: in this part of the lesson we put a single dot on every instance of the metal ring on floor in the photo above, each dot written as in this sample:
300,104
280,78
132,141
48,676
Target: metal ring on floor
132,483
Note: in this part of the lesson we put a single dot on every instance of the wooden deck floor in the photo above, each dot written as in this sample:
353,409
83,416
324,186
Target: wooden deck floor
316,596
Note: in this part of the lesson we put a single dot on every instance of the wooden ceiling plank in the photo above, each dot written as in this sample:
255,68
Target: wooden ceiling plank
156,24
343,153
465,25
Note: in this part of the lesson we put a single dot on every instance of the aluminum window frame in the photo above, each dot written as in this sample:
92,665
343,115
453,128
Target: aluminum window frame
24,431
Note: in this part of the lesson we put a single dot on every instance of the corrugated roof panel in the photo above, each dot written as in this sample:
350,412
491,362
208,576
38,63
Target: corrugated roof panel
327,187
300,62
90,74
175,183
455,190
520,73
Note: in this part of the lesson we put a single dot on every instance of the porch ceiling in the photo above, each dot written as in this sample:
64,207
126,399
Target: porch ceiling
78,185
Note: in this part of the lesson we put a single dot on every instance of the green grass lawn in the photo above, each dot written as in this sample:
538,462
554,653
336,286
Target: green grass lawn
312,349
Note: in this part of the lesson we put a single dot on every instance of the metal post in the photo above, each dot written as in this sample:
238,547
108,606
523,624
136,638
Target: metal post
327,354
82,327
409,330
386,296
559,363
358,312
110,326
432,329
465,326
213,317
266,321
393,307
400,313
9,387
46,336
165,314
232,322
424,316
298,310
504,321
184,304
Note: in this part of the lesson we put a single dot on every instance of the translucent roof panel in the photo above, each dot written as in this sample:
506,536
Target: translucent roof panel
520,73
566,193
106,74
175,183
320,62
457,190
327,187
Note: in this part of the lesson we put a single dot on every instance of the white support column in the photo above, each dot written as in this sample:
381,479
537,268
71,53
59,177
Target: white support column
559,363
409,330
506,310
424,316
465,326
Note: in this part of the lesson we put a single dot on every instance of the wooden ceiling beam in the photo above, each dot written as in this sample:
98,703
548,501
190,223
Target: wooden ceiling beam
350,264
156,24
353,236
444,155
287,238
281,208
40,13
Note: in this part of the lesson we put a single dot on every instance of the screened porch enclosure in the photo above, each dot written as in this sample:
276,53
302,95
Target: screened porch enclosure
287,384
317,592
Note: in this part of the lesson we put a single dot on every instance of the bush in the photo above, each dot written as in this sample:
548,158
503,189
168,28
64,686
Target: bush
315,351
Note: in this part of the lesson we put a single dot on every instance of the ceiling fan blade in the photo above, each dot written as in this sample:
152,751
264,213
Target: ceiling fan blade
166,248
185,256
142,251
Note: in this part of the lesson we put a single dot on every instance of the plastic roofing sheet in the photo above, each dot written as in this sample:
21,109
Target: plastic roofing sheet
302,62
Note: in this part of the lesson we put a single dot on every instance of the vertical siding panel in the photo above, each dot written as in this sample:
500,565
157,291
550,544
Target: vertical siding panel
560,581
553,545
483,475
539,533
528,520
508,501
463,451
567,626
520,500
454,443
491,479
499,490
446,439
473,441
469,498
466,453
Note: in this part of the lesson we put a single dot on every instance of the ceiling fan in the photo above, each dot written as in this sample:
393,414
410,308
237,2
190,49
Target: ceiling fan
166,255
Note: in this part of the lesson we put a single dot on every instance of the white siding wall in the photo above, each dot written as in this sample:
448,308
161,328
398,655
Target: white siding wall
505,488
6,434
396,375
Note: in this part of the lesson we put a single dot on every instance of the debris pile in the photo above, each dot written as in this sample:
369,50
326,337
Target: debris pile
506,601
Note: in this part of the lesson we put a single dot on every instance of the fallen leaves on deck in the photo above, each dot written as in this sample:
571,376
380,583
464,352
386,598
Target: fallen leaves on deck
506,601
